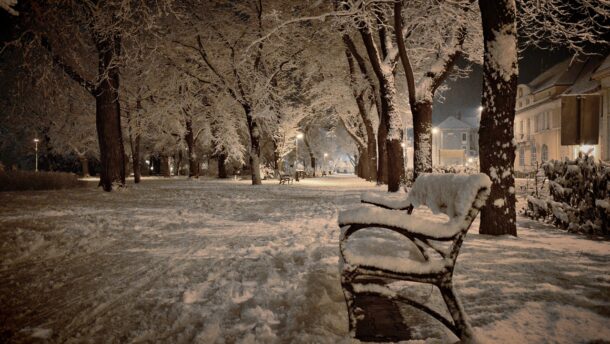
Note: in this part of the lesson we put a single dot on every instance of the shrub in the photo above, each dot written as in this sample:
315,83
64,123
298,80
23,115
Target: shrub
407,180
29,180
580,192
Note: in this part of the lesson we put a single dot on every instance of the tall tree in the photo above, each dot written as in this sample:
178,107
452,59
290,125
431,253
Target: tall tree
439,33
497,150
85,41
548,23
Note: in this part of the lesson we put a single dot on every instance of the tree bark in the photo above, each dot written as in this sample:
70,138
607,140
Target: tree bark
276,160
312,158
497,150
389,136
222,167
165,172
190,145
422,110
255,148
136,159
371,157
178,163
84,162
422,134
108,116
134,145
393,148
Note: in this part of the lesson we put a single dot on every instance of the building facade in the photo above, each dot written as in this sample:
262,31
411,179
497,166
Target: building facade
602,75
541,109
455,142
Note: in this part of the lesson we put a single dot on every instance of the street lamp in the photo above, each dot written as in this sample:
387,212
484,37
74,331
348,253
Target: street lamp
36,140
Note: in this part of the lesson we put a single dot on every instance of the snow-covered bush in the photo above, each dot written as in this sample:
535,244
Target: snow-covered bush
461,169
455,169
29,180
580,192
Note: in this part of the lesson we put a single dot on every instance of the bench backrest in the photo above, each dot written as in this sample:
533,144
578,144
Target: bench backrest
451,194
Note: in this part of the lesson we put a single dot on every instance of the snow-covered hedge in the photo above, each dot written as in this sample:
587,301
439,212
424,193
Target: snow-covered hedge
29,180
456,169
580,196
460,169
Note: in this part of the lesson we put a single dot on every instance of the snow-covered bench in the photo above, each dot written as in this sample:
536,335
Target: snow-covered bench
428,254
286,179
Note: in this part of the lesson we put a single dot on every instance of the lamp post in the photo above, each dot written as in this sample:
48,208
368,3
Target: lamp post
296,157
36,148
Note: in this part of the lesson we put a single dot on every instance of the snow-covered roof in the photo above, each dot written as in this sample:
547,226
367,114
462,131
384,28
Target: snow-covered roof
562,74
585,83
454,123
472,121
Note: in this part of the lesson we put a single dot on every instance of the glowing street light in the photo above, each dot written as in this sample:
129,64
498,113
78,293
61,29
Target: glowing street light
434,130
36,140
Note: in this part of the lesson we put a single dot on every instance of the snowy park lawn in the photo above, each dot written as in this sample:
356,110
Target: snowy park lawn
210,261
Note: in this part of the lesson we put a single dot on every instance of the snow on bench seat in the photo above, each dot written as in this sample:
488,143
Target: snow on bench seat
379,250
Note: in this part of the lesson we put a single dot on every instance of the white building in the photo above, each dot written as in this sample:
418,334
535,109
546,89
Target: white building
455,142
558,114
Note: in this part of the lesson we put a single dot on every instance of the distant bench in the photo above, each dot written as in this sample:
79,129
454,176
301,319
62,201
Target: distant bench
286,179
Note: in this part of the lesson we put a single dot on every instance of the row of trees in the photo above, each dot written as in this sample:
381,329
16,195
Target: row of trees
242,78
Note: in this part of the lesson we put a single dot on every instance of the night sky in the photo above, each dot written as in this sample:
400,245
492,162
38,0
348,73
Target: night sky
464,95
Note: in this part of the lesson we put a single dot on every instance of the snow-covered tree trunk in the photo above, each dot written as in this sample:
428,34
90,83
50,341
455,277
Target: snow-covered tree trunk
108,115
189,137
312,157
442,59
84,162
134,144
222,165
422,138
371,141
135,153
497,148
165,170
276,159
368,157
395,162
255,147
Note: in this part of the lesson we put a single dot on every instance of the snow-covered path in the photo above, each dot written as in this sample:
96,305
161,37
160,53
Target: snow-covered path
222,261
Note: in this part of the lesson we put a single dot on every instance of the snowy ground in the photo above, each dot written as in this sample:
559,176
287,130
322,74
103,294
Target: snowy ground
209,261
